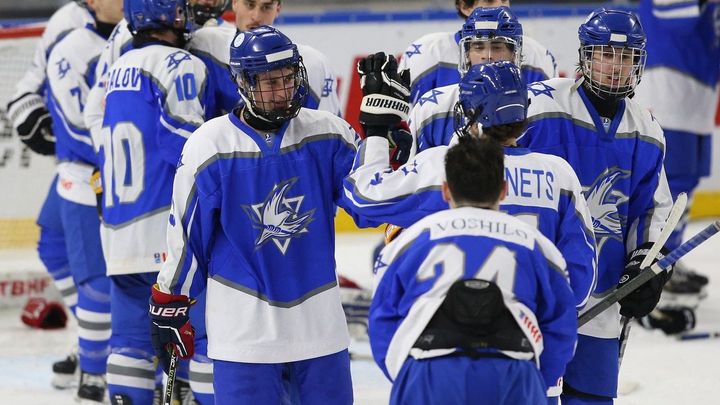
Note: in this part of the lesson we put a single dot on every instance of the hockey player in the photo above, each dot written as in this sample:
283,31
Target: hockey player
470,302
211,46
680,86
254,199
488,35
69,79
433,59
616,148
31,120
156,96
543,189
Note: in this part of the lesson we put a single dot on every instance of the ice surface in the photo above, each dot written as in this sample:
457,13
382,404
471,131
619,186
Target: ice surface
666,371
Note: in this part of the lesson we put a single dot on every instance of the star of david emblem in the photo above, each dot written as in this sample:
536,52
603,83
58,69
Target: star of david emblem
431,98
379,264
174,59
410,168
414,51
328,87
278,217
377,179
63,67
539,88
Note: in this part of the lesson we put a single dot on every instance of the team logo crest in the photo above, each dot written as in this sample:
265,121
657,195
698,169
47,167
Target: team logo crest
279,218
603,200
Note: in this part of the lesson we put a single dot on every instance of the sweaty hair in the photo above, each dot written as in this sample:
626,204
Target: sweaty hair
465,3
474,168
505,132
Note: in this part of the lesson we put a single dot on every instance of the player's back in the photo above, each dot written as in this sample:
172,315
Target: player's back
70,75
469,243
155,99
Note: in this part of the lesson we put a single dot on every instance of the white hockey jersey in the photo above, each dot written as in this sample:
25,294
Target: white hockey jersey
542,190
64,20
433,62
70,71
213,47
432,119
252,221
156,97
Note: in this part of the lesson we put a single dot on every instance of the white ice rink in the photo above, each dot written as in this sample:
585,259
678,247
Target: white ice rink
666,371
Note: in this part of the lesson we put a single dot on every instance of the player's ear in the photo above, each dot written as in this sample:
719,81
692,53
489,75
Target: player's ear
446,193
503,191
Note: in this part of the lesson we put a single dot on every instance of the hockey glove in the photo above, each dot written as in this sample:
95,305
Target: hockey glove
644,299
38,313
386,93
170,326
391,232
670,320
32,121
401,141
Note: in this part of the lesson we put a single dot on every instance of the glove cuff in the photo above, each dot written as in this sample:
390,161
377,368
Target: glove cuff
162,298
380,104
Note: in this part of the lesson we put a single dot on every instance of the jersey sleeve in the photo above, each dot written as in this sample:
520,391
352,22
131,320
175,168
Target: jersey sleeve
556,315
651,201
681,16
378,194
184,105
193,215
576,240
322,93
67,93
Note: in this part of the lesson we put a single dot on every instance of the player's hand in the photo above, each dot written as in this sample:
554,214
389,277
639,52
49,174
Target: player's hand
644,299
386,93
401,141
170,326
96,183
32,121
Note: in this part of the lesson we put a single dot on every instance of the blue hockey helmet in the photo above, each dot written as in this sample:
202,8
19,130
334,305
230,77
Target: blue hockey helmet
156,14
497,25
269,73
491,94
612,52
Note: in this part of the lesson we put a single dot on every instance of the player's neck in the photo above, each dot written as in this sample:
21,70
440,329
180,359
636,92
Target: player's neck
604,107
255,122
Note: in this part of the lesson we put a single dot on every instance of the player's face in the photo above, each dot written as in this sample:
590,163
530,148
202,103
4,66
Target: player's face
481,52
107,11
482,3
612,67
275,89
251,14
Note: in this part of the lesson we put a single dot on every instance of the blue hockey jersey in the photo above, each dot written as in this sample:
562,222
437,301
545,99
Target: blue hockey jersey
212,45
414,273
620,169
543,191
433,62
156,96
252,221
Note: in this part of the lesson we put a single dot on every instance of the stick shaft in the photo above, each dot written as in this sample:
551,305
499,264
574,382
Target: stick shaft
649,273
167,400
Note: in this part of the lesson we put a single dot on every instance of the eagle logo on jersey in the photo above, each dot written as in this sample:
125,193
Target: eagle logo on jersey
279,218
603,200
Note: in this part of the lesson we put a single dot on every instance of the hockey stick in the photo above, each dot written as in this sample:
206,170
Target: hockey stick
673,218
167,398
648,273
698,336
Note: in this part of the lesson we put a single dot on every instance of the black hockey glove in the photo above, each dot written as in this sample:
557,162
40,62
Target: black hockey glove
32,121
670,320
385,94
170,326
644,299
401,141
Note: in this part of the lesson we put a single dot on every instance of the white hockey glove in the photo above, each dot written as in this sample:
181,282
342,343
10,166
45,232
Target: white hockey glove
386,93
32,121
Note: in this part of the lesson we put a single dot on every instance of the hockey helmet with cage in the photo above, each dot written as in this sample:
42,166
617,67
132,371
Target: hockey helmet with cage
491,94
492,24
204,12
612,52
156,14
263,55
